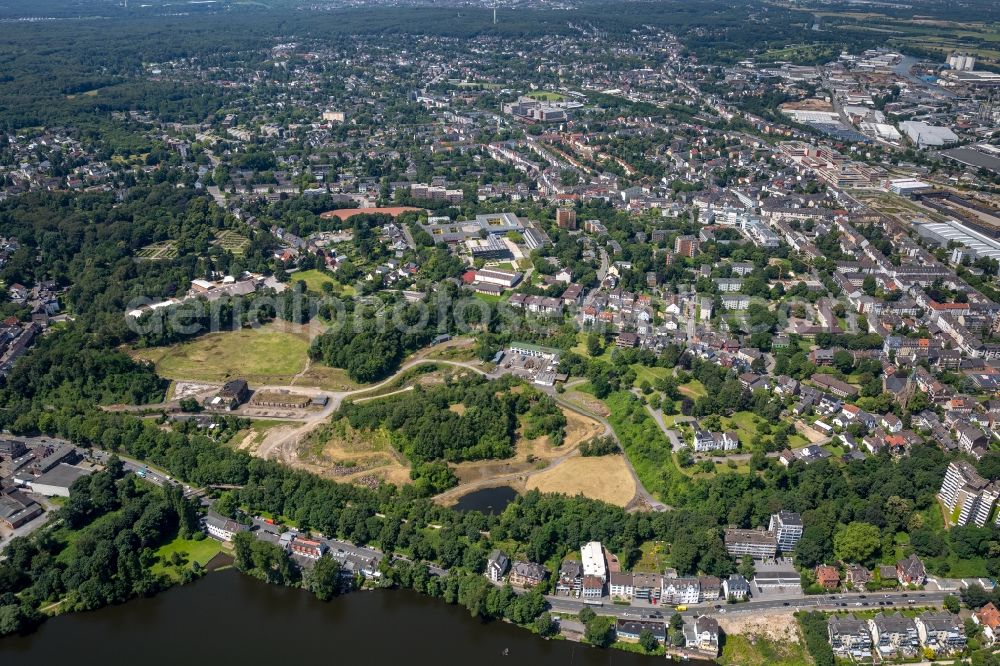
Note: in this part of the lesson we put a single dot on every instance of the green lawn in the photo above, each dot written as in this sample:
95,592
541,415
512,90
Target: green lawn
315,279
546,96
192,551
693,389
743,423
260,355
489,298
643,373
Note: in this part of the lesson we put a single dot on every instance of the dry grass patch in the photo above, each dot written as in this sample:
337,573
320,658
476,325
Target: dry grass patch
354,456
603,478
588,402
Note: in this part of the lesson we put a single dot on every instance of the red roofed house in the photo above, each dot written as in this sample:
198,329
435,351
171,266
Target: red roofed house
828,577
988,617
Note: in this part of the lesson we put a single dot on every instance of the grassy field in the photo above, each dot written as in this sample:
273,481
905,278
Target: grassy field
642,373
693,389
190,550
546,96
492,299
740,651
604,478
261,355
744,425
655,557
314,280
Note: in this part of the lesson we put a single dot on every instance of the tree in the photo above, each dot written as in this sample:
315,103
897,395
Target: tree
648,641
545,625
324,579
856,542
600,631
676,622
843,360
951,604
586,615
746,568
975,596
813,546
594,344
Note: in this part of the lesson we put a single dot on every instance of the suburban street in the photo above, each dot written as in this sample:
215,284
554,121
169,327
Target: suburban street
772,603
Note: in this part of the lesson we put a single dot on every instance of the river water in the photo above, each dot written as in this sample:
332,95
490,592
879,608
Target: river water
228,618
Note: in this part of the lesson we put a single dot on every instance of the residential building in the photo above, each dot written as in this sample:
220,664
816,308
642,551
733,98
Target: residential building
593,587
787,528
566,218
620,584
857,576
849,637
647,586
711,587
527,574
715,441
941,632
222,528
827,577
630,630
894,634
309,548
702,633
681,591
911,571
988,617
968,496
497,565
736,587
686,246
756,543
570,577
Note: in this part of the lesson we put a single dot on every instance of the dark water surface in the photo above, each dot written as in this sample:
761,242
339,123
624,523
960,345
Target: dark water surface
228,618
487,500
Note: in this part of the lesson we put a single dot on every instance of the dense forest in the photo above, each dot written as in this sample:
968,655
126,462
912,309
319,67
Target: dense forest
88,244
426,425
116,522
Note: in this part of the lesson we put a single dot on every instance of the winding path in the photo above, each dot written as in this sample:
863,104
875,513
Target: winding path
281,443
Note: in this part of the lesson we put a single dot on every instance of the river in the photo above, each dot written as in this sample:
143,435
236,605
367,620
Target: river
228,618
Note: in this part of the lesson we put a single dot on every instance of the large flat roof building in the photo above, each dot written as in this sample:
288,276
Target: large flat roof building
756,543
592,554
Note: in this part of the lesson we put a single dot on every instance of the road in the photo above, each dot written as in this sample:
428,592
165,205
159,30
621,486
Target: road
281,443
602,272
845,602
676,443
